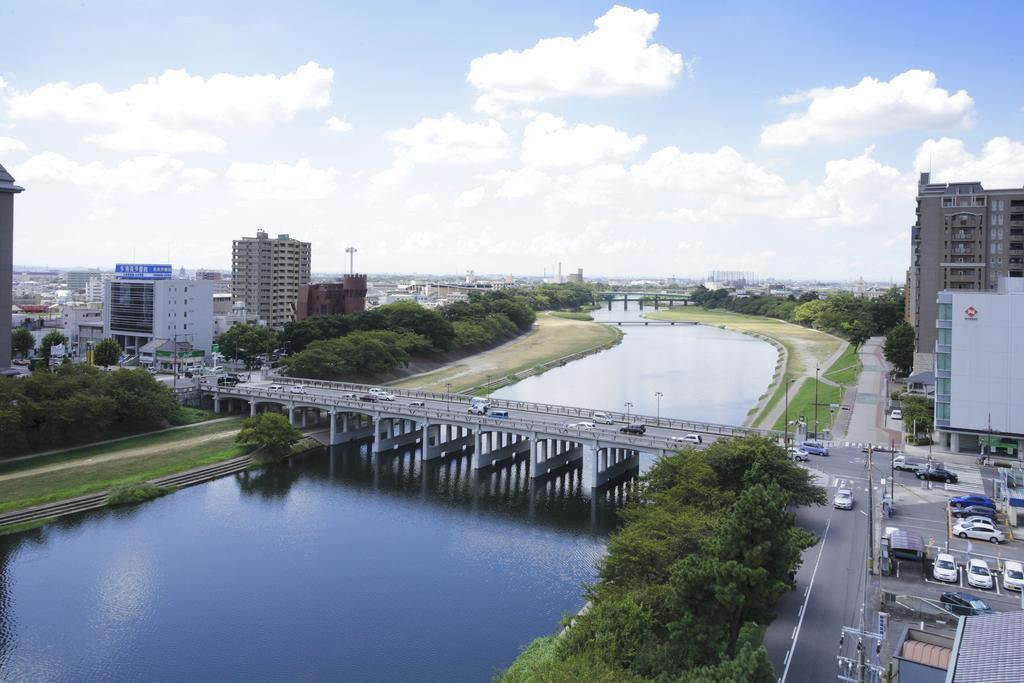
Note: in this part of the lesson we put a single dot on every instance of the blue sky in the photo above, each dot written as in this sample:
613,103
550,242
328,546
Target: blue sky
658,151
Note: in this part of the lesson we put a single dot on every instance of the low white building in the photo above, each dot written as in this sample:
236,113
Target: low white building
83,326
979,369
238,313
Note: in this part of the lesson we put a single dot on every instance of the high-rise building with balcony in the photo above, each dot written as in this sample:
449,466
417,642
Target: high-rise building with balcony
965,238
266,274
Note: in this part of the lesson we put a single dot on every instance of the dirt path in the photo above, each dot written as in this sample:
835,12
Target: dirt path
808,363
152,449
552,338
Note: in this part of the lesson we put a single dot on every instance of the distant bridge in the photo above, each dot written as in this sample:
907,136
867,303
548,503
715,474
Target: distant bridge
441,425
648,322
659,298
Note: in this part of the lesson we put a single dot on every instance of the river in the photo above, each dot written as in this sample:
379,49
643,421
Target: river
334,566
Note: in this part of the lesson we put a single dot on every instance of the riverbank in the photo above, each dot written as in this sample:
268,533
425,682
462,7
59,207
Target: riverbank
801,349
552,338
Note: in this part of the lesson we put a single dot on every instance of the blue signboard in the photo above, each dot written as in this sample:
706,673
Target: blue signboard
143,271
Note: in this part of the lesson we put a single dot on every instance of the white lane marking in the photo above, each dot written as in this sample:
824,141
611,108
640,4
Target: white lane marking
794,633
863,513
800,623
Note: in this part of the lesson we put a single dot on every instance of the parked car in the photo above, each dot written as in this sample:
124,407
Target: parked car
602,419
297,389
814,448
937,474
843,499
896,414
978,574
417,404
945,568
982,519
963,501
978,530
964,604
275,387
581,425
640,429
369,398
799,454
907,463
1013,576
974,511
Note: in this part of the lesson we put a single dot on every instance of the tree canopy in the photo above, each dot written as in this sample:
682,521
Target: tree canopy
22,341
270,431
52,338
246,342
106,353
899,348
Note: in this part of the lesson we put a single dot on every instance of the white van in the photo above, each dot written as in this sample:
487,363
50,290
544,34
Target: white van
602,419
479,405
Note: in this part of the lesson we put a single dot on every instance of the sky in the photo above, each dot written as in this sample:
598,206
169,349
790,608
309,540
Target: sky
652,139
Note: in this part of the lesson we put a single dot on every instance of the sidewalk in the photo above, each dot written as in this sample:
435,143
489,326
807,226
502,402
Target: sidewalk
868,418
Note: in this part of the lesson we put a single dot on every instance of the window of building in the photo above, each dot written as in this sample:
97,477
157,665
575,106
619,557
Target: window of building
942,386
945,336
941,411
942,361
947,201
945,311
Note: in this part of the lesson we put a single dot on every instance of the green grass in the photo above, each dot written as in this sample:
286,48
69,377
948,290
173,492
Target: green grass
572,315
46,487
163,438
846,369
802,403
24,526
131,493
190,416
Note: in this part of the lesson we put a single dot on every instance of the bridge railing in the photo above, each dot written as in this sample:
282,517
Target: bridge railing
405,411
546,408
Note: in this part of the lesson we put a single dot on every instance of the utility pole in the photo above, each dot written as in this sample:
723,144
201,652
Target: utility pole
871,513
658,395
785,427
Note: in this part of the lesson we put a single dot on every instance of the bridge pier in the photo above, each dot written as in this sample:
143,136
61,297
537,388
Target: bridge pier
492,448
550,454
602,464
252,408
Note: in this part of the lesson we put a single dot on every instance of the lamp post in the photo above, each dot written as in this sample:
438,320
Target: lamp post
816,370
628,405
657,396
785,438
448,392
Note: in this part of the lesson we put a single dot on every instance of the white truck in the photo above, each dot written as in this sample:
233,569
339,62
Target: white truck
479,405
908,464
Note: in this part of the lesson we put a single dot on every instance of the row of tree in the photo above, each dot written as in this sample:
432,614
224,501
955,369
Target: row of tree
105,353
377,341
691,580
844,314
78,403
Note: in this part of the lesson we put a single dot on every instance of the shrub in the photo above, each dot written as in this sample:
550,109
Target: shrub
135,492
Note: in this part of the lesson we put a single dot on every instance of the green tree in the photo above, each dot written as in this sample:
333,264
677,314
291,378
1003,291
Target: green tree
271,431
22,341
53,338
245,342
917,414
106,353
899,348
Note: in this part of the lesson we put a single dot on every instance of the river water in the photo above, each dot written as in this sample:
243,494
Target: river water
336,566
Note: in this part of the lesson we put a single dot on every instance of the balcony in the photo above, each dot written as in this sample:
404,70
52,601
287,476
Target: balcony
962,251
961,235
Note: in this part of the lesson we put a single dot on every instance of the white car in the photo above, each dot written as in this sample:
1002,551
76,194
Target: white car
602,419
945,568
978,530
896,414
350,396
376,390
799,454
1013,576
417,404
843,499
297,389
977,519
978,574
689,438
275,387
581,425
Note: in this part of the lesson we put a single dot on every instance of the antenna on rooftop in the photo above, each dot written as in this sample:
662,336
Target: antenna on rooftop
351,251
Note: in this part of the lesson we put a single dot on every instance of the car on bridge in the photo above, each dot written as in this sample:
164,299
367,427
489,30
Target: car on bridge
275,387
385,396
964,501
369,398
350,396
297,389
587,426
689,438
814,448
638,428
602,419
417,404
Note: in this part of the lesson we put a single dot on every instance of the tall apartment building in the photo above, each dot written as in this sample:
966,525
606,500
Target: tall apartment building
965,238
7,191
266,274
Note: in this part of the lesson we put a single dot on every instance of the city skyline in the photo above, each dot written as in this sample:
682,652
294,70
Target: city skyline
623,140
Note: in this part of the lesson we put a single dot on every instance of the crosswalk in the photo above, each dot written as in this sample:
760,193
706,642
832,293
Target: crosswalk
969,480
862,444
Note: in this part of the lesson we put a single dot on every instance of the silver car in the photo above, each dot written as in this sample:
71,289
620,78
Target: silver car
843,499
984,531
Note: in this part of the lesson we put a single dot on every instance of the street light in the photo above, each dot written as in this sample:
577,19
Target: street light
628,406
785,438
657,396
448,392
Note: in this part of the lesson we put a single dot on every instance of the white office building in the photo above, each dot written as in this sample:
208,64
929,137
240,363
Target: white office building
979,369
138,311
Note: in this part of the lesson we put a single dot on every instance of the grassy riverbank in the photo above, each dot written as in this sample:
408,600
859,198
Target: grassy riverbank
553,337
95,468
804,347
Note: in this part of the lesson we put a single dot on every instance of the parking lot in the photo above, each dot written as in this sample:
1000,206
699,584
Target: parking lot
921,507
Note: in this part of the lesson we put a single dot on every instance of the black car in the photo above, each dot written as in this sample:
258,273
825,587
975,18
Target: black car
369,398
226,381
640,429
964,604
974,511
937,474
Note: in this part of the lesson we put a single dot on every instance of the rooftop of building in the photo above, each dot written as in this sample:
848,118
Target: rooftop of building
7,182
988,649
926,187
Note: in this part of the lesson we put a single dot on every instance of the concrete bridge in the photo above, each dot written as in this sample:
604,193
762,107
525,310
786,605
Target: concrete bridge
639,297
441,424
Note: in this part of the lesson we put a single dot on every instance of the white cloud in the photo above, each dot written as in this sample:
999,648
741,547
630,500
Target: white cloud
704,176
872,107
170,112
198,174
338,125
10,145
447,140
136,176
421,201
855,191
470,198
616,58
101,215
276,180
522,183
549,142
1000,165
